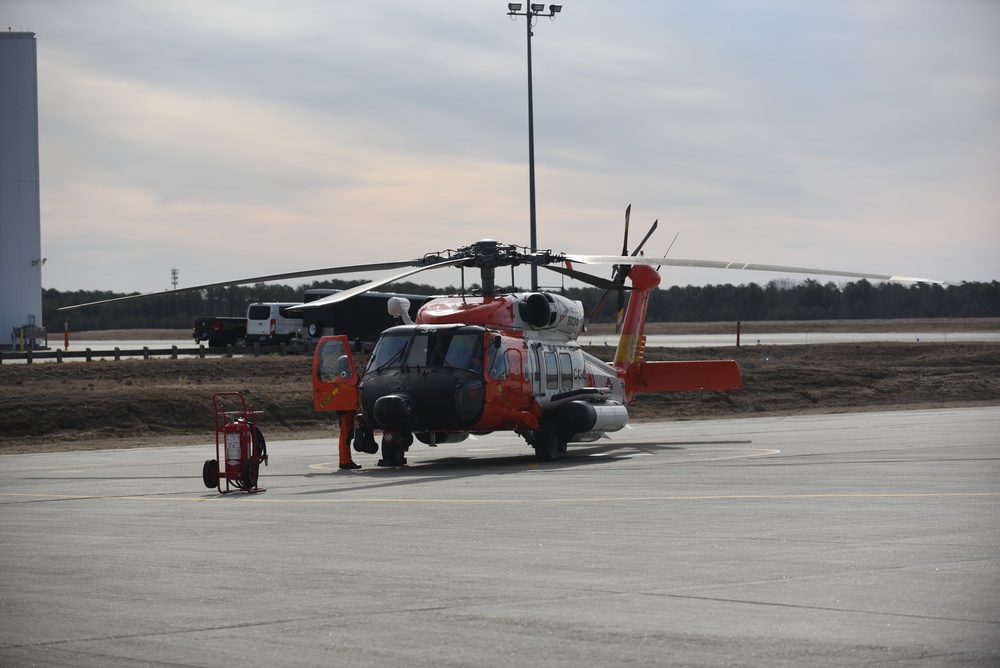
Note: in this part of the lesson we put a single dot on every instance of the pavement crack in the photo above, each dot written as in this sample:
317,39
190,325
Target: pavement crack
823,608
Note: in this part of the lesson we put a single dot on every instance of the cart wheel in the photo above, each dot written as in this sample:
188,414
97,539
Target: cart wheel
259,444
250,469
210,473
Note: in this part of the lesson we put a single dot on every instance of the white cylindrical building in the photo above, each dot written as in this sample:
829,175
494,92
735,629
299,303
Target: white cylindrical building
20,218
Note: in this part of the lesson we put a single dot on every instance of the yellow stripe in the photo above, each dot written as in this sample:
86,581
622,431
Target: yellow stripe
257,498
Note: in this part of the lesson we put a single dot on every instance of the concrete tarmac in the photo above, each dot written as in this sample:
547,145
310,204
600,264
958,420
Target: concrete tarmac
835,540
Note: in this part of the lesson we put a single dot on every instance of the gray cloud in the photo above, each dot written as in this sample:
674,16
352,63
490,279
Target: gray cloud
856,135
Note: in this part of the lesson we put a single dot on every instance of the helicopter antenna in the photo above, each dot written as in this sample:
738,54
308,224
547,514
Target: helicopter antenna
668,249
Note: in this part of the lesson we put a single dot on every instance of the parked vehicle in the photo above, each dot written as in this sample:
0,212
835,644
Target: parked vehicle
271,323
221,331
362,317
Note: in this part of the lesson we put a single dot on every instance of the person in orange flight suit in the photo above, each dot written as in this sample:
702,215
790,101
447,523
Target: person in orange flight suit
346,436
335,388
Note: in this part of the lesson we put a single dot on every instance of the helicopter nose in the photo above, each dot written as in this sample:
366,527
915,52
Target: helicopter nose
424,401
393,410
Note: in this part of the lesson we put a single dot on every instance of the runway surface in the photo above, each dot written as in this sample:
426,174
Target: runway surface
859,539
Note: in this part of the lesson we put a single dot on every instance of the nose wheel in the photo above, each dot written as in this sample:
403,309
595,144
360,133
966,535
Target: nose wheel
394,447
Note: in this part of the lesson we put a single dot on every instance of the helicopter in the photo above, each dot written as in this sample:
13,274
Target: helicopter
474,364
482,361
471,364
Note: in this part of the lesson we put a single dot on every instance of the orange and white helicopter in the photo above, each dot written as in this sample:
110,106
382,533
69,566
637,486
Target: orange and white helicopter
488,361
473,364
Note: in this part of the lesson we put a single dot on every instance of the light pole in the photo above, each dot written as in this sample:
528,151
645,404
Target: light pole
533,11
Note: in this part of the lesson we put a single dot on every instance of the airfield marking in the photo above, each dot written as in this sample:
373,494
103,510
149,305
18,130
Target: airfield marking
248,498
72,468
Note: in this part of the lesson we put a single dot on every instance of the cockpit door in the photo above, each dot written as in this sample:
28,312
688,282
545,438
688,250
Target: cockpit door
335,377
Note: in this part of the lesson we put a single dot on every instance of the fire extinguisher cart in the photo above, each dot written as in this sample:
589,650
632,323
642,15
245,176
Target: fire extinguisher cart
239,446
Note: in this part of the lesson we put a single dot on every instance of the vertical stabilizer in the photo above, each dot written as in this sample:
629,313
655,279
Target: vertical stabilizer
631,344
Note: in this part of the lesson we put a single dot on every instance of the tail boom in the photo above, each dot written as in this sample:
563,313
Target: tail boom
642,376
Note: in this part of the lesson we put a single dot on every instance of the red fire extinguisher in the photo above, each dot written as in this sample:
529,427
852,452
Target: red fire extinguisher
238,452
239,447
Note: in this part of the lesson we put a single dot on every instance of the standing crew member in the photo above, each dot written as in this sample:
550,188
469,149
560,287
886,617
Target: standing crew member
335,388
346,434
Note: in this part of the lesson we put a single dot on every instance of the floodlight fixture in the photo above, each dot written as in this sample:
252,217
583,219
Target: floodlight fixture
537,8
514,6
555,9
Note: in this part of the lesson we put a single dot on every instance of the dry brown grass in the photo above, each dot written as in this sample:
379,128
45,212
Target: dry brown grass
135,402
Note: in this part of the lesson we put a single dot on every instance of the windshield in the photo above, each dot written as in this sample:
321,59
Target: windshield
429,349
388,352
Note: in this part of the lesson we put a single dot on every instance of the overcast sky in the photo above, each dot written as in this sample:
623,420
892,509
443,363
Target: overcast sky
230,139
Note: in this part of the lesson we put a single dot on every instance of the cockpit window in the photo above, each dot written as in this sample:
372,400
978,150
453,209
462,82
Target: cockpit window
429,349
388,353
464,351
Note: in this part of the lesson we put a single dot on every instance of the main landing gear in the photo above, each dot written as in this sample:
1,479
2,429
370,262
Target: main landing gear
548,443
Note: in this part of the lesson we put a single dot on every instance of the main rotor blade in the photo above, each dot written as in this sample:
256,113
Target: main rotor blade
748,266
600,302
596,281
365,287
349,269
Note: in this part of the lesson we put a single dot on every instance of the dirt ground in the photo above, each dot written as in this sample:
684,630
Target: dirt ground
135,402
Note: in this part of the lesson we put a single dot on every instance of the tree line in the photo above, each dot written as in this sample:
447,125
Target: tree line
777,300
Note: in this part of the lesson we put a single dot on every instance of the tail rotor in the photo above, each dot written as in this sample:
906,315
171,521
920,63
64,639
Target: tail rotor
620,273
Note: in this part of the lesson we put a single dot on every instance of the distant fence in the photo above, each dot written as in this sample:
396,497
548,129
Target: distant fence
173,352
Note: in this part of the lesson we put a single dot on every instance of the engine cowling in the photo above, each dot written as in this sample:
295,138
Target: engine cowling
544,311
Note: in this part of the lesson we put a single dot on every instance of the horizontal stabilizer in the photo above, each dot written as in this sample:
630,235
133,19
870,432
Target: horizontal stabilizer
683,376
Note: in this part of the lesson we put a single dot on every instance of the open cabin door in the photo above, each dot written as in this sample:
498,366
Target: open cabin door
335,377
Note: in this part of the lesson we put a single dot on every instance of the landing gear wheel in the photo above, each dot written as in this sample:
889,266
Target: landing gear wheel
392,455
249,471
546,444
210,473
394,449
